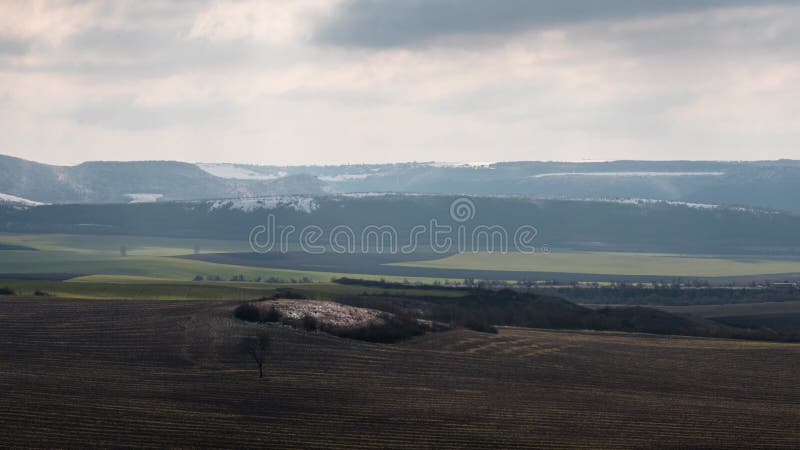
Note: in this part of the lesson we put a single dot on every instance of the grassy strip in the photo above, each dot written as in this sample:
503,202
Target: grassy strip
112,288
612,264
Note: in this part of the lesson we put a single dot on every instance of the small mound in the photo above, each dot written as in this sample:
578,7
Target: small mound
339,320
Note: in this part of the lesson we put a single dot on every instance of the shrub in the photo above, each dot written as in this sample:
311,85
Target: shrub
480,326
199,278
272,315
288,294
310,323
247,312
393,328
40,293
6,291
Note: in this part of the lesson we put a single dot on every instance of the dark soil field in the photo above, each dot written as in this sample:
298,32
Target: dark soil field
78,373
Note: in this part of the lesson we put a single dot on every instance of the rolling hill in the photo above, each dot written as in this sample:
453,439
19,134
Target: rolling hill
124,182
756,184
635,226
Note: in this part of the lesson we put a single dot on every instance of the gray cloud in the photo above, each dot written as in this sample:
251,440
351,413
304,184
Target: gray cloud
147,41
392,23
140,53
13,47
126,115
149,53
353,97
122,43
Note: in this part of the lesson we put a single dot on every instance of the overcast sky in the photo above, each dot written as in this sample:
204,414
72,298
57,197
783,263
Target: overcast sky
339,81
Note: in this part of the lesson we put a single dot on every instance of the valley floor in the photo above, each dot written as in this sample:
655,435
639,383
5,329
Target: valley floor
81,373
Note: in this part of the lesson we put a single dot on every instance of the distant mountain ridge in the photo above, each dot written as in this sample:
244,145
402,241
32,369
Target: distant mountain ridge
759,184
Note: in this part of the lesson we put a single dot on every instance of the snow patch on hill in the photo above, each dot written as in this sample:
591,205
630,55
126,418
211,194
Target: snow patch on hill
346,177
144,198
365,194
232,171
8,198
298,203
450,165
628,174
692,205
649,201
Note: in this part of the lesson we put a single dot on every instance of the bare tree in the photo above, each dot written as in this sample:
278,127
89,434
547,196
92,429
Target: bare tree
256,347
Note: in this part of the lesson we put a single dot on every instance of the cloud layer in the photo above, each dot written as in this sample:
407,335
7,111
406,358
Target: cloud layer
334,81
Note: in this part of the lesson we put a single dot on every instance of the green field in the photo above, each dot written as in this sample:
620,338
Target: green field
740,309
151,259
163,290
147,258
609,263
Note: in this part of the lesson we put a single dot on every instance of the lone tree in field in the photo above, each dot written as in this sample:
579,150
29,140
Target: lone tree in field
256,347
123,250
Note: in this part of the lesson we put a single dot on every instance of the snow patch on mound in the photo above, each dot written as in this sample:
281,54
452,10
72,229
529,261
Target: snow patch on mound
326,312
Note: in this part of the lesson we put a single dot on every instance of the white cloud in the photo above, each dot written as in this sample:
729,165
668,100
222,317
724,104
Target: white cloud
42,20
271,21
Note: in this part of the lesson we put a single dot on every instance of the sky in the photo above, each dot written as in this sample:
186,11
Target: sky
354,81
